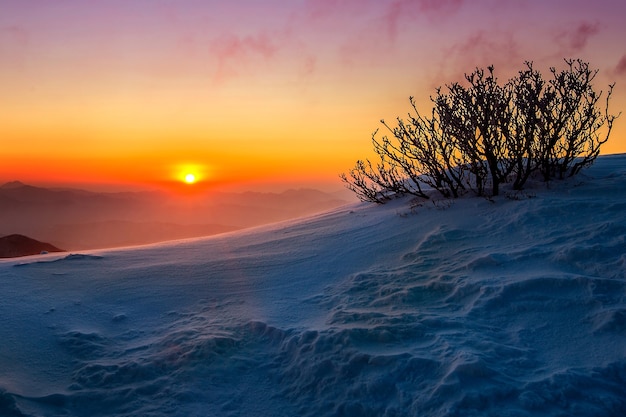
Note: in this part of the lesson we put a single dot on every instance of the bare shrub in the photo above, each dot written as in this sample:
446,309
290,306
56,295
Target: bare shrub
484,134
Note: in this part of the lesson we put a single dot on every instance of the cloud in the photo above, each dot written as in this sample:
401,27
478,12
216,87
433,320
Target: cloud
574,39
323,9
309,65
392,12
409,9
480,49
235,53
15,34
366,31
14,41
620,69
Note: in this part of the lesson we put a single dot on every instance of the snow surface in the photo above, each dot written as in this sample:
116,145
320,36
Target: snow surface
503,308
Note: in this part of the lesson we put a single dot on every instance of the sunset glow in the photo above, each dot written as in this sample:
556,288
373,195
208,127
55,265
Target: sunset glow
190,178
191,173
258,92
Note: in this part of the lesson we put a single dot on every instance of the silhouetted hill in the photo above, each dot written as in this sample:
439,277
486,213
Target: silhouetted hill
12,246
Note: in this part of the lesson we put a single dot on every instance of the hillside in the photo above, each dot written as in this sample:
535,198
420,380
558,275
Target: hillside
510,307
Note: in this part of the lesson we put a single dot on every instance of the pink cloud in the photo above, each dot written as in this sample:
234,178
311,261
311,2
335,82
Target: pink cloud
322,9
359,24
393,12
15,34
480,50
620,69
575,39
309,65
399,9
14,42
235,53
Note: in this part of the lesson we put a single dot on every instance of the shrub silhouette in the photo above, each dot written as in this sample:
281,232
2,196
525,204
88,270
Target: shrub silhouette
484,134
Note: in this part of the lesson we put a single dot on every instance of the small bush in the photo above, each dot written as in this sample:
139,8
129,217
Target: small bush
484,134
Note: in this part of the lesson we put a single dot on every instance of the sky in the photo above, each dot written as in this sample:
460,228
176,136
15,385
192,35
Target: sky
252,93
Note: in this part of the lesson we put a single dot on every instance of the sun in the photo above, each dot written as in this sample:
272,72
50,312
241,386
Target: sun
189,173
190,178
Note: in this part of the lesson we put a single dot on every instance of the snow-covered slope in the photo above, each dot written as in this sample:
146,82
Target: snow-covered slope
503,308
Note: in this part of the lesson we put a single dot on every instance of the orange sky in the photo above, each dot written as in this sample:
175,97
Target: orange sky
135,94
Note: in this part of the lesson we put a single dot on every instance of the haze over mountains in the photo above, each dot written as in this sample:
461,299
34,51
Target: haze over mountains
76,219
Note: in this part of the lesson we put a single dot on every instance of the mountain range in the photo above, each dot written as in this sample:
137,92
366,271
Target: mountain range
78,219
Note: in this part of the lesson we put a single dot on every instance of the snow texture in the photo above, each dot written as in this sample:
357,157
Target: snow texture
511,307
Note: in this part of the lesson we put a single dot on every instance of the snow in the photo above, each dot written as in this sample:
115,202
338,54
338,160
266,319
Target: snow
465,308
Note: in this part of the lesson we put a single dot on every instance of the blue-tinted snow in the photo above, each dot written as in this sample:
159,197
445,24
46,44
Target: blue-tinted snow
503,308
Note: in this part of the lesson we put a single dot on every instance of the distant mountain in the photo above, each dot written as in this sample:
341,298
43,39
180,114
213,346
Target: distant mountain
12,184
78,219
12,246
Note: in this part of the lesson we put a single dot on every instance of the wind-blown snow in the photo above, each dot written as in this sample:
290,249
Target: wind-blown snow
503,308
